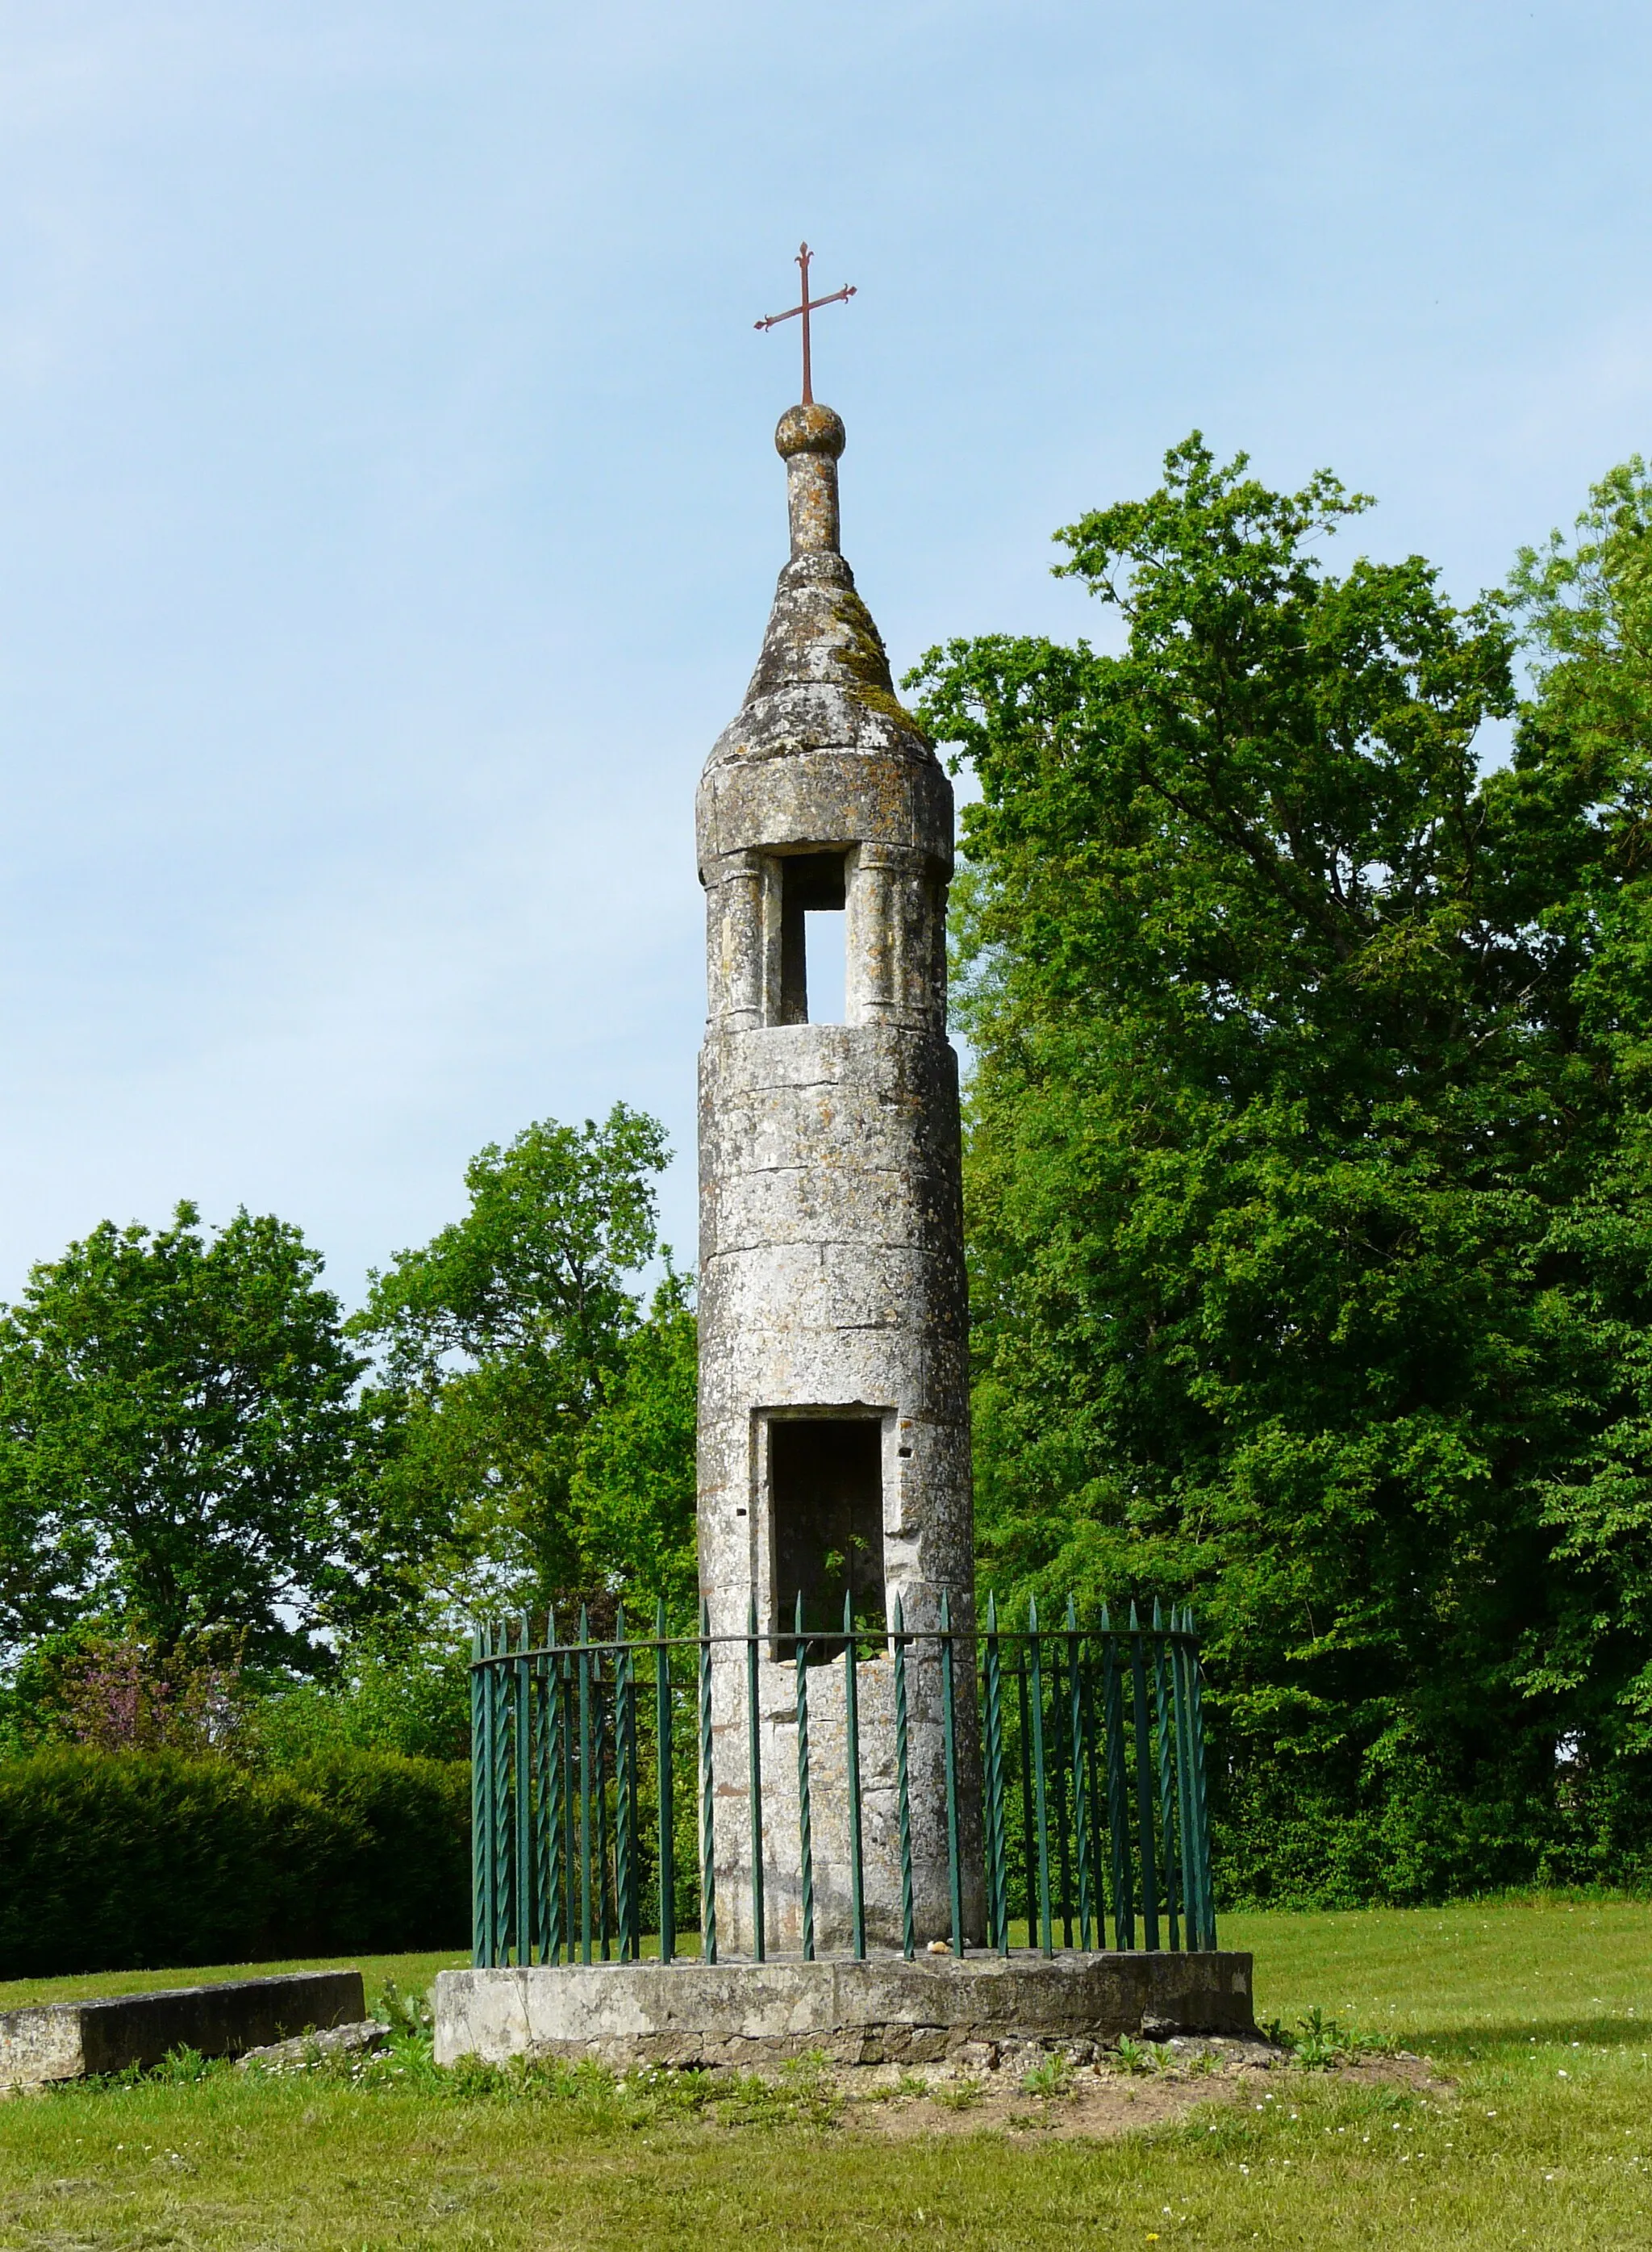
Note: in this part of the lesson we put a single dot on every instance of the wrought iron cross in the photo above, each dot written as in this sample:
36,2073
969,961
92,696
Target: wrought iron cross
805,259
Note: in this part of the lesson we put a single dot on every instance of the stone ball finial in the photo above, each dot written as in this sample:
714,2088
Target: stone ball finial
810,429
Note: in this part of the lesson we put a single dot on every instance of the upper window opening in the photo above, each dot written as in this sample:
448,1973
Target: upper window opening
814,944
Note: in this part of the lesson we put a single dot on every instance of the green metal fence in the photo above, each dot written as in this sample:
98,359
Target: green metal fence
592,1783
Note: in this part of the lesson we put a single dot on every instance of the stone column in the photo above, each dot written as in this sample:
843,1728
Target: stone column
834,1403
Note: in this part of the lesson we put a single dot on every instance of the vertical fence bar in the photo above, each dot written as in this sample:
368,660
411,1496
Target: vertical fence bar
521,1745
556,1812
1161,1746
570,1818
1035,1664
625,1825
500,1826
1078,1750
1144,1796
1059,1794
998,1858
635,1934
1118,1796
583,1660
805,1832
603,1710
667,1795
1201,1804
481,1889
540,1705
708,1810
903,1798
544,1833
851,1735
949,1745
754,1777
1185,1781
1096,1795
1029,1857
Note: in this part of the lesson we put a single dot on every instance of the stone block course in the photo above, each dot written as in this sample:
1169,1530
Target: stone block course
79,2040
882,2011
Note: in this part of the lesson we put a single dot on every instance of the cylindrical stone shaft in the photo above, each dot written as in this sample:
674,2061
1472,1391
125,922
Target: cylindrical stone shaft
834,1442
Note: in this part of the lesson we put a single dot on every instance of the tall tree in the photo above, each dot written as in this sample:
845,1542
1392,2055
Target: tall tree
633,1493
179,1441
1286,1105
516,1337
1579,797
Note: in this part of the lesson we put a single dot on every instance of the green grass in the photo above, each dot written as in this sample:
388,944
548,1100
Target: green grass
1535,2008
410,1972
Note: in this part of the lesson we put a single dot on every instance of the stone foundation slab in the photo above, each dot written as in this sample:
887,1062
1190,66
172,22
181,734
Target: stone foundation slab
882,2011
77,2040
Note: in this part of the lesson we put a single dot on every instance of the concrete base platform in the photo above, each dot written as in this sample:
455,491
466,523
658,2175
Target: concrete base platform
76,2041
882,2011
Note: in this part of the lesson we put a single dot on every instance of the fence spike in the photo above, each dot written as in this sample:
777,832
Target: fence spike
805,1832
666,1857
754,1775
852,1737
708,1832
949,1747
903,1799
1039,1798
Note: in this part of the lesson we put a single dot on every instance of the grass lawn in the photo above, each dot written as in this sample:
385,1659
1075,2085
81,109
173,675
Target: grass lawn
1535,2009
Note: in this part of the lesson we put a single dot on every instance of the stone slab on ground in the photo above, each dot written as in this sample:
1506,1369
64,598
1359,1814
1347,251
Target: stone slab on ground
883,2010
304,2050
77,2041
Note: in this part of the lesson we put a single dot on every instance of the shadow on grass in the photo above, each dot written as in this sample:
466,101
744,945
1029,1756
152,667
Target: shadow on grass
1478,2042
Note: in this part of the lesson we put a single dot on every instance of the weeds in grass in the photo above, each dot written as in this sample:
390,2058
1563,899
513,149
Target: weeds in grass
1053,2077
912,2083
959,2094
179,2068
185,2065
402,2012
804,2094
1137,2056
1319,2044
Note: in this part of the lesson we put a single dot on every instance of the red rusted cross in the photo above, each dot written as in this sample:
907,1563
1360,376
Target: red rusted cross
805,259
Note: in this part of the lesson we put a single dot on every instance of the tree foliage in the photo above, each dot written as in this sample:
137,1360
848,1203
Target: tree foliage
546,1432
1305,1166
180,1442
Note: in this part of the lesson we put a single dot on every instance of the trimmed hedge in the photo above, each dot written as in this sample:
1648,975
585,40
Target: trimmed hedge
139,1861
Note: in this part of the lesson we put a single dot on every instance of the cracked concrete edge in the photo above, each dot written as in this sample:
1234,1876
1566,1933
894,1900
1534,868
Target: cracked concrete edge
855,2013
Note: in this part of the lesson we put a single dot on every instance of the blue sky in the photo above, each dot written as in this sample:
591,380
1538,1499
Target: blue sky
391,514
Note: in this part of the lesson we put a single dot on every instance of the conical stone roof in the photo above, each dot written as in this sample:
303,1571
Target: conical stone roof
821,695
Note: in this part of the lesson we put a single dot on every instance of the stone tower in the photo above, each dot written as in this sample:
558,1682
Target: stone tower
834,1433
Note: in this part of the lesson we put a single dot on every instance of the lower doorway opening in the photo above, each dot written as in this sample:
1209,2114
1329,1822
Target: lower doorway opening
826,1486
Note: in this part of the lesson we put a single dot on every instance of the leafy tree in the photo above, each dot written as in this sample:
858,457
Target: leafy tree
1296,1171
179,1441
116,1692
1581,793
634,1485
403,1688
515,1339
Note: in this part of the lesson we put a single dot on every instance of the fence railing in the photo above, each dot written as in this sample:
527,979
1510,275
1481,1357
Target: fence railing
595,1777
